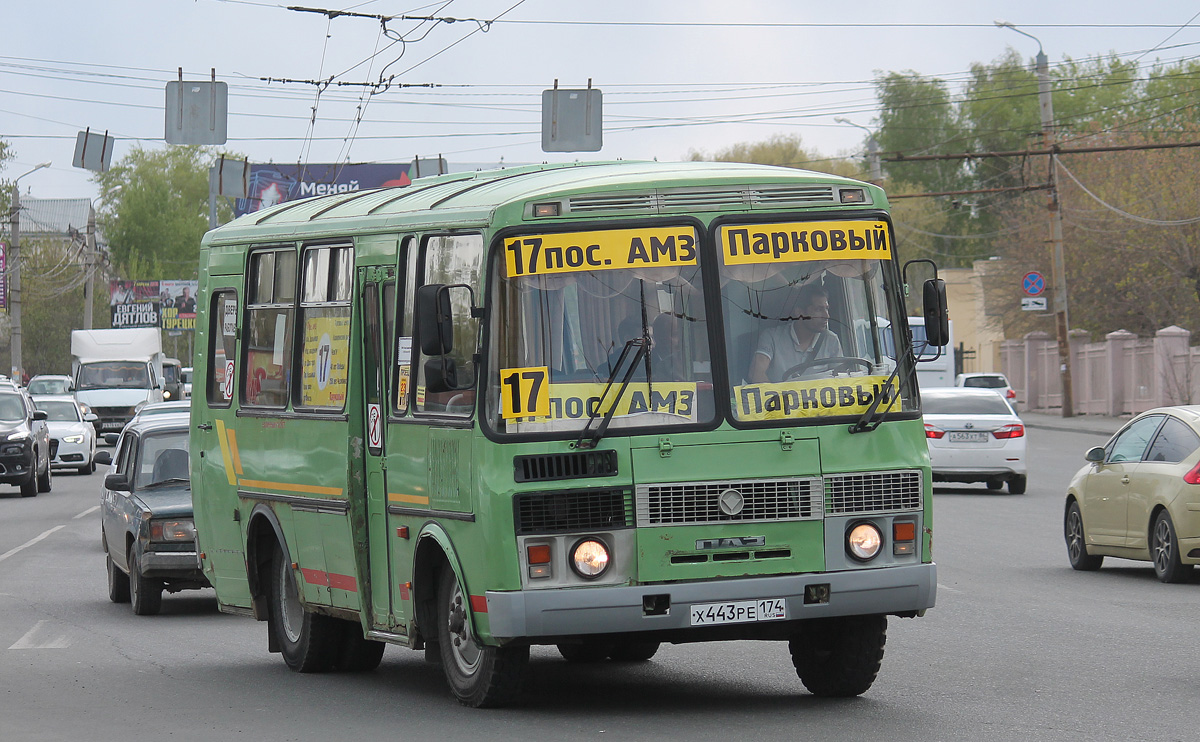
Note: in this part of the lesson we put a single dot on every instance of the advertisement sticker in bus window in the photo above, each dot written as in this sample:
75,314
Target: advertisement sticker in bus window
801,241
323,362
820,397
612,249
581,401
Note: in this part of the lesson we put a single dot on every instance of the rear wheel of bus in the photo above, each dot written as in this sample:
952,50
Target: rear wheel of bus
308,641
839,657
480,676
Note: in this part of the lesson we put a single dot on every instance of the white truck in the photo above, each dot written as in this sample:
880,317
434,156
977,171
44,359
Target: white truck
935,365
116,372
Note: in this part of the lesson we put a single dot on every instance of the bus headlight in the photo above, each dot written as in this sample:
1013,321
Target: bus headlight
589,558
864,541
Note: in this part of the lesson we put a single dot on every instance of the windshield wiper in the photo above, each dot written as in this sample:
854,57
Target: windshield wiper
869,420
641,344
172,480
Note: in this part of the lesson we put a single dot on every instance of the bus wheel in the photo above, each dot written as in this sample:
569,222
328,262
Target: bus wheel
584,653
634,651
839,657
358,654
480,676
308,641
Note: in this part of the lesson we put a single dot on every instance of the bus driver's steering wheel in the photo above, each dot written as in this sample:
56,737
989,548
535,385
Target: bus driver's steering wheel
835,363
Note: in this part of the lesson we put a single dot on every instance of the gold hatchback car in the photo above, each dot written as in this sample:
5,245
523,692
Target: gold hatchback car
1138,497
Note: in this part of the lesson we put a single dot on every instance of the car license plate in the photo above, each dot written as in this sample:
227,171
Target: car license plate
959,436
739,611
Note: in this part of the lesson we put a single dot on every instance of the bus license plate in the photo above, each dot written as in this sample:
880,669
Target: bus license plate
739,611
963,437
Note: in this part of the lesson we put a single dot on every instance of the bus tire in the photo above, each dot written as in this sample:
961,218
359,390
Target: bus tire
480,676
308,641
839,657
358,653
585,653
634,651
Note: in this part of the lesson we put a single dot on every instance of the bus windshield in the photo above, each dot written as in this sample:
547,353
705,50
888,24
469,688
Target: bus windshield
560,333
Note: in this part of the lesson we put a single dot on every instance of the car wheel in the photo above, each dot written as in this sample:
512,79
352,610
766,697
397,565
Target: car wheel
309,641
45,480
634,652
1164,550
585,653
994,484
118,582
838,658
480,676
29,488
1016,485
1077,542
144,593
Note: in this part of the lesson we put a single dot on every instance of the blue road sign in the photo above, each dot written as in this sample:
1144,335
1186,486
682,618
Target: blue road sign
1034,283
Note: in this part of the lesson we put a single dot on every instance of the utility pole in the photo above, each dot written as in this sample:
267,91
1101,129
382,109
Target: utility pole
14,270
1046,109
89,258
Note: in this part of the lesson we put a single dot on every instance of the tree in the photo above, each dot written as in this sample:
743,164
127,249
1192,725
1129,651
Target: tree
783,150
157,211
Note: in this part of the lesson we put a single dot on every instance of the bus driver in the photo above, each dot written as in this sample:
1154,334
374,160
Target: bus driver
798,343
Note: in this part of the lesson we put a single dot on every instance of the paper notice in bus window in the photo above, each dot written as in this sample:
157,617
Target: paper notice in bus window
819,397
280,337
568,252
404,351
800,241
581,401
229,319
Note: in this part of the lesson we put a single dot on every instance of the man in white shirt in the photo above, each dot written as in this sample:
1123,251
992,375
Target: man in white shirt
796,344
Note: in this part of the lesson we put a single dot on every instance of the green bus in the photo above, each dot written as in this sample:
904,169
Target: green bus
598,406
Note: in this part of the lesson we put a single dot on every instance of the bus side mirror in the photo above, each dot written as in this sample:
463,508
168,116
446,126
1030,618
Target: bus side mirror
937,321
435,320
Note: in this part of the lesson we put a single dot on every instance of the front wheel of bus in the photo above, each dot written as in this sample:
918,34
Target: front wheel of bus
480,676
839,657
308,641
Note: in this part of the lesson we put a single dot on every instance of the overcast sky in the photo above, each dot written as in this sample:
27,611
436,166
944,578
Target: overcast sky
676,75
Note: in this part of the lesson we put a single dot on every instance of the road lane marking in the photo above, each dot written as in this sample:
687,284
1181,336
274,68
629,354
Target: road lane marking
29,641
89,511
940,586
29,543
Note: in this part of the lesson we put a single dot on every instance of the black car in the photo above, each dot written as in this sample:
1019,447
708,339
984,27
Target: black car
146,514
25,449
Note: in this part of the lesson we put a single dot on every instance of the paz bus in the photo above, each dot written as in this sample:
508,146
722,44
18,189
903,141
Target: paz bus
494,410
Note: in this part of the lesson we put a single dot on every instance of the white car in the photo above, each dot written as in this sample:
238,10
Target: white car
974,436
72,428
996,382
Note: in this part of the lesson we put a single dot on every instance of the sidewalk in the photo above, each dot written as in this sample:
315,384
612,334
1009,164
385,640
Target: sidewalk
1096,424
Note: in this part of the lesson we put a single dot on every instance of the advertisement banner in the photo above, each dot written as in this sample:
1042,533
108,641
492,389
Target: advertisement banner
135,303
178,301
275,184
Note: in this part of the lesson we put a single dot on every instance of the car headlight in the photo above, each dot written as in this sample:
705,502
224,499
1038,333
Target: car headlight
864,541
172,530
18,436
589,558
73,438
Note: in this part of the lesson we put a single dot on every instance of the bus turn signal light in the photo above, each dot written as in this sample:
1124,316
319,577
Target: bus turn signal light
539,554
904,538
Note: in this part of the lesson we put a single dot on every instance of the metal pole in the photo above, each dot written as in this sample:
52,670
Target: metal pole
1046,107
14,291
88,258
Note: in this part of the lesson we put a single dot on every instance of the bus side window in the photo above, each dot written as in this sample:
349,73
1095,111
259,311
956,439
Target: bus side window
402,308
268,342
222,350
324,359
446,385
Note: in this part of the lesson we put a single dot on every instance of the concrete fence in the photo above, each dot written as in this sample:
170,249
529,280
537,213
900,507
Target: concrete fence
1123,375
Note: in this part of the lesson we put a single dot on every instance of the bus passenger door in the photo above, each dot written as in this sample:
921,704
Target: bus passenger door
374,282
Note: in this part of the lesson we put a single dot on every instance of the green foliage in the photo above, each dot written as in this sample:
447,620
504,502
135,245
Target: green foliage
917,118
157,211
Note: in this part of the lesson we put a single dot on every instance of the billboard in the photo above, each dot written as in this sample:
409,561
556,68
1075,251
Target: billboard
170,305
275,184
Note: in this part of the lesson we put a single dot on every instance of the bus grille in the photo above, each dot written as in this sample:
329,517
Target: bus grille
874,492
564,512
746,501
573,465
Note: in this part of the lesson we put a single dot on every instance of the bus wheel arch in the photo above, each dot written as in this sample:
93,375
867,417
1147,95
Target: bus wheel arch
434,553
263,536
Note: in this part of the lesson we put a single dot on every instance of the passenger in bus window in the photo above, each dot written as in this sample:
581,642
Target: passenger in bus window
789,350
666,350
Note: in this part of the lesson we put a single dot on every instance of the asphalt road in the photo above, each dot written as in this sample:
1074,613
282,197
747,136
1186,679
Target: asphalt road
1019,647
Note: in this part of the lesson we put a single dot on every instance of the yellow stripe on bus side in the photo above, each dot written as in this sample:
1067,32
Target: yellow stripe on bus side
415,499
311,489
233,451
229,475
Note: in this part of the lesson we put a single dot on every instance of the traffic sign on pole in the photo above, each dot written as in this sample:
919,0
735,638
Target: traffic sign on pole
1033,283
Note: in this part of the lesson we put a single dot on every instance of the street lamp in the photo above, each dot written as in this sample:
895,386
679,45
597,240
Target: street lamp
14,270
1046,109
872,149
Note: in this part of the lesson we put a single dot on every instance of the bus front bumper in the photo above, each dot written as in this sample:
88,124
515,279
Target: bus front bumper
607,610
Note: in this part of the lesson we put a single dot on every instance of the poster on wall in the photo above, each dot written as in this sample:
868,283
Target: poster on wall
135,303
178,301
